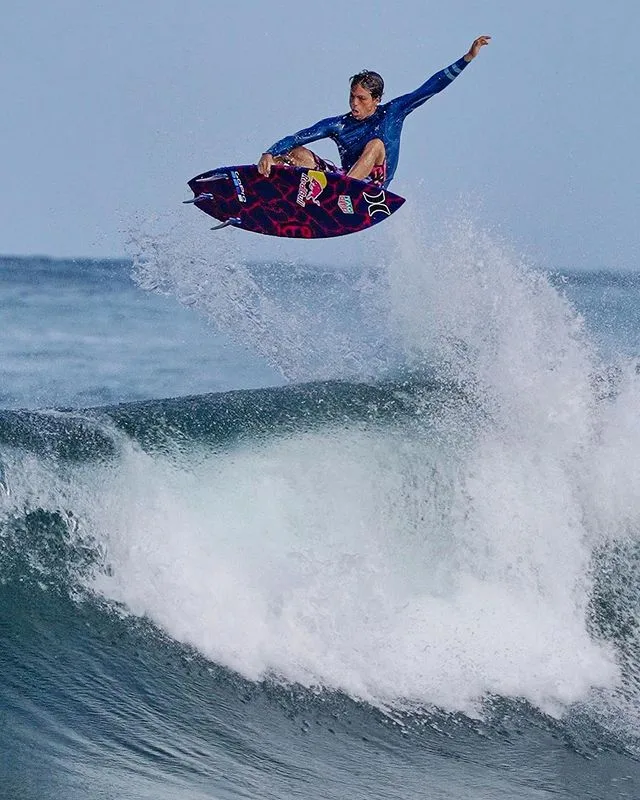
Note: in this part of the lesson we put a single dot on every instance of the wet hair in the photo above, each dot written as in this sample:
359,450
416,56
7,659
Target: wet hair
371,81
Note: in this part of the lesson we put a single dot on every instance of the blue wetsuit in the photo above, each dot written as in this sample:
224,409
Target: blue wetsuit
351,135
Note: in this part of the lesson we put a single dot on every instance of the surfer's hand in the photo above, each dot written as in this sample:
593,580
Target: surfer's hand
481,41
265,164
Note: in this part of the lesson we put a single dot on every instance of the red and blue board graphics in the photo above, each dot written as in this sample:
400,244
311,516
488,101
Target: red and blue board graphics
292,202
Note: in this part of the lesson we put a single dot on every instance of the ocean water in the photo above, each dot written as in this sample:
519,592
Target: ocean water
271,529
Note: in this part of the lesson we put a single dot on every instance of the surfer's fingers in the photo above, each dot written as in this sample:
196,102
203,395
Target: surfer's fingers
264,166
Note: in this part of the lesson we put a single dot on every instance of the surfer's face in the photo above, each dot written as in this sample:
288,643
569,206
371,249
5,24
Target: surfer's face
361,102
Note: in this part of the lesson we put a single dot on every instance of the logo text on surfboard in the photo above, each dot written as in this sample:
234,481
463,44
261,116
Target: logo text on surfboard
312,184
345,204
235,177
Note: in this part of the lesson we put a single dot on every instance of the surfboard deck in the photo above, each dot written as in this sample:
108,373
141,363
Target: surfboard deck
293,201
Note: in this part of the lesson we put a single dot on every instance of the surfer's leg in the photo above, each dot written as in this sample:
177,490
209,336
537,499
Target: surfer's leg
373,155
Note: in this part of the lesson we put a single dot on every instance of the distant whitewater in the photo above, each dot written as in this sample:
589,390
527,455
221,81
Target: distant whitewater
368,531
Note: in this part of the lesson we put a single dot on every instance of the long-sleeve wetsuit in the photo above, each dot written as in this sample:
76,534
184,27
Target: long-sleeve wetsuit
351,135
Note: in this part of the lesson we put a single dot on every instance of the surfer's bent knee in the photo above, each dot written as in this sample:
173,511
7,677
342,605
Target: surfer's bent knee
297,157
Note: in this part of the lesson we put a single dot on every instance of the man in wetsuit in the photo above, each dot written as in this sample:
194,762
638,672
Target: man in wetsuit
368,138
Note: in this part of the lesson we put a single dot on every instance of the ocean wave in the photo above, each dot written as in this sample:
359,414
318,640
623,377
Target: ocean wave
359,538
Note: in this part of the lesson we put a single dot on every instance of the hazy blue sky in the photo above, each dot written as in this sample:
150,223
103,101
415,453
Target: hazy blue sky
110,107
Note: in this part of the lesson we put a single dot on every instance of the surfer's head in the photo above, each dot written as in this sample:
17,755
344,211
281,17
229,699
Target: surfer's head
366,91
369,80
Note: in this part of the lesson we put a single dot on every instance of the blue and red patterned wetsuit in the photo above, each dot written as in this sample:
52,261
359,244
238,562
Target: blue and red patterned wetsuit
351,135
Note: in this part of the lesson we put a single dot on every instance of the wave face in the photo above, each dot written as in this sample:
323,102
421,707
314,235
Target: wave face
332,588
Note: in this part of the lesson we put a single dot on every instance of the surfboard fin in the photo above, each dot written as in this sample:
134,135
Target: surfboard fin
209,178
201,196
230,221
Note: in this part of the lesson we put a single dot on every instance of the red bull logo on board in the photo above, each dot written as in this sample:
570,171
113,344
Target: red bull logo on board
312,184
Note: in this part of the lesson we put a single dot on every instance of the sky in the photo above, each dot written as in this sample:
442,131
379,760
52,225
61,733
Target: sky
109,108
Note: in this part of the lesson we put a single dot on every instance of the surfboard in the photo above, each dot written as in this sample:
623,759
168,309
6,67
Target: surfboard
293,201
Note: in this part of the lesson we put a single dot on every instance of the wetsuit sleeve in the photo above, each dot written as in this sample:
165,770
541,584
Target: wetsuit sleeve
321,130
436,83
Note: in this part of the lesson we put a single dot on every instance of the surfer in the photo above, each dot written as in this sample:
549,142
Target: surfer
368,138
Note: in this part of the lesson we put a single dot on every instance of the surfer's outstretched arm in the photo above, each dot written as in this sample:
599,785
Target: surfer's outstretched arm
436,83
